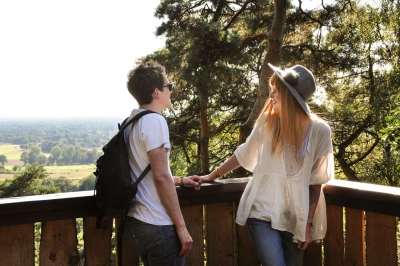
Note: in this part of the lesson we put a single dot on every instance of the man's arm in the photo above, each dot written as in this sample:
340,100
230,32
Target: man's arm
167,193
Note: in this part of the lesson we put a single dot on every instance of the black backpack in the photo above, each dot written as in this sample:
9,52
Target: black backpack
113,188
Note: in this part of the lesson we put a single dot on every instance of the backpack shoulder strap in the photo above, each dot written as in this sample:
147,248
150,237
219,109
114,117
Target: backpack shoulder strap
125,124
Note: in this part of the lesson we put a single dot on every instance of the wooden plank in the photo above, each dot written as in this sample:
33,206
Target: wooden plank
97,242
219,234
246,253
381,245
355,248
129,255
17,245
194,222
334,240
363,196
58,245
70,205
313,255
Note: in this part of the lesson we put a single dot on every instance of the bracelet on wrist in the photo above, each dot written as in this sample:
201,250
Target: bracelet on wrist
180,181
310,221
217,172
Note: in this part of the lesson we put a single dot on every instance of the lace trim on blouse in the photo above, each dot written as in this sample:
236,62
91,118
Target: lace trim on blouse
293,160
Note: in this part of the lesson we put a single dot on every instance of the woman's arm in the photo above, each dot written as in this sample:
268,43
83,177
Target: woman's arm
231,164
315,191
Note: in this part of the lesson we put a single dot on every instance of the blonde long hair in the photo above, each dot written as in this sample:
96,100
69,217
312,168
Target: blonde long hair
287,125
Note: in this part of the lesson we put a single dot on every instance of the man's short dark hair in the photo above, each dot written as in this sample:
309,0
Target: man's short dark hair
143,79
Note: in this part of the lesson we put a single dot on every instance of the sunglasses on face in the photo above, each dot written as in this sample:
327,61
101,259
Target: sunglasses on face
169,85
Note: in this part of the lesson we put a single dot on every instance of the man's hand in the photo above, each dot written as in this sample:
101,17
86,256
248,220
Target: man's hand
186,240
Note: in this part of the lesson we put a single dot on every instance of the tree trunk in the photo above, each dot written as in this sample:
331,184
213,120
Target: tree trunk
274,47
205,135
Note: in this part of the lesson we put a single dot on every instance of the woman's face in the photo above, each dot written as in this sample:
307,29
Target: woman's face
276,100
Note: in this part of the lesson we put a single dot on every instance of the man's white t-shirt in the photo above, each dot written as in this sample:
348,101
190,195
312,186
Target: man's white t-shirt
149,132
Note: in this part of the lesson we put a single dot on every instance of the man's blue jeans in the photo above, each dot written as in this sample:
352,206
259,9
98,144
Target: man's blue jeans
156,245
273,247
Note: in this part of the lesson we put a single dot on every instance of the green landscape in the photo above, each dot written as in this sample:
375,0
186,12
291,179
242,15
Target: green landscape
71,172
50,155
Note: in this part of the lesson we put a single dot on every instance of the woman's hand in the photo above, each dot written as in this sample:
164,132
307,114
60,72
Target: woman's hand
304,245
209,178
193,181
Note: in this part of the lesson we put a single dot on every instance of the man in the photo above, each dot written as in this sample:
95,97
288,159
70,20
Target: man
155,225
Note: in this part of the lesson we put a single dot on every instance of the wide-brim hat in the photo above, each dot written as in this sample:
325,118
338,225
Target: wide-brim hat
300,82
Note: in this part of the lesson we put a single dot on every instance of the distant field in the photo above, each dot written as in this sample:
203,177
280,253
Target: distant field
13,153
72,172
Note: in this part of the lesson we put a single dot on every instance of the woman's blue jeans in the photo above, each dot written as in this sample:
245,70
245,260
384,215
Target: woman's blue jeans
273,247
156,245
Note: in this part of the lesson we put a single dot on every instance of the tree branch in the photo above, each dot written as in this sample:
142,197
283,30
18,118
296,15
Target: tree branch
368,152
238,13
249,39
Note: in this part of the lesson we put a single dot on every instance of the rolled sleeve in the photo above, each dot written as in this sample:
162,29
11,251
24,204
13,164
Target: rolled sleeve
247,153
323,166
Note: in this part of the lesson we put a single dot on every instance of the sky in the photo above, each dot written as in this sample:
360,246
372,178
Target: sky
70,58
62,58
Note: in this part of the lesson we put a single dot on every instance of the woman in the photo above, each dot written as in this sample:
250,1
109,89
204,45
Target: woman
290,154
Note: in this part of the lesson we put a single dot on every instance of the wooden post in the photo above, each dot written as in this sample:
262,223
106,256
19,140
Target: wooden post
58,245
247,255
313,255
355,248
381,239
17,245
219,234
334,240
193,216
97,241
129,255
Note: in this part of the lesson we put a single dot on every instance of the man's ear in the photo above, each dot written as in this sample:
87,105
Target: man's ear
156,93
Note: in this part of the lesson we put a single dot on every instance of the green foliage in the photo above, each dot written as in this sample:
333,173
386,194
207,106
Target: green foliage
26,183
351,47
61,183
87,183
3,159
86,133
34,180
391,134
16,168
24,157
215,87
67,155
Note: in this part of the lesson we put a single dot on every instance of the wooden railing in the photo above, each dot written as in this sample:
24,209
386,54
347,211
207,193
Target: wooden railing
362,228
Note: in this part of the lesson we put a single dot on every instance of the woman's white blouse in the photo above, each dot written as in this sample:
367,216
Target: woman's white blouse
284,200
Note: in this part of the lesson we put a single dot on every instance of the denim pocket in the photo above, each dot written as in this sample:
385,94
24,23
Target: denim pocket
152,241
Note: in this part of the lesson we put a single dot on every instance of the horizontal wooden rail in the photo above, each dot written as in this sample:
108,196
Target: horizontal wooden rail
70,205
362,225
363,196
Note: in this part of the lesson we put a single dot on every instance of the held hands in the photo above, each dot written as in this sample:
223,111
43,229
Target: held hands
193,181
196,181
